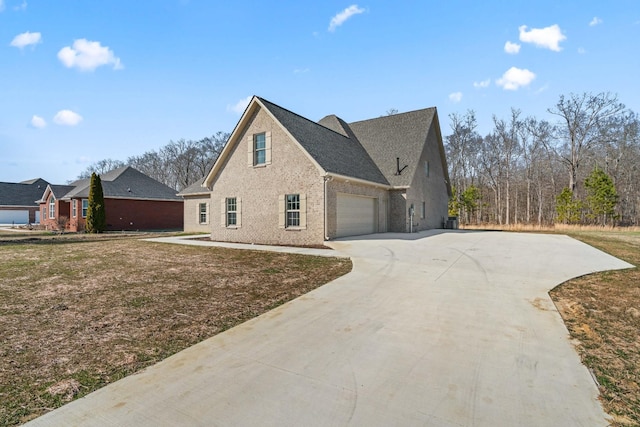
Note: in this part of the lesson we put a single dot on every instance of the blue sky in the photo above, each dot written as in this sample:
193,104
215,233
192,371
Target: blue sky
82,81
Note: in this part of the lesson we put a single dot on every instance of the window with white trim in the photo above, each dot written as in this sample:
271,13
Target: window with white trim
259,149
293,210
74,208
85,207
232,211
203,213
52,207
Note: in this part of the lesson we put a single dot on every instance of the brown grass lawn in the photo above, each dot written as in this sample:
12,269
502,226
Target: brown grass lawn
78,312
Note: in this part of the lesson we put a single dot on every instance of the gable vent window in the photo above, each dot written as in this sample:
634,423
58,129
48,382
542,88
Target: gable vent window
426,168
259,149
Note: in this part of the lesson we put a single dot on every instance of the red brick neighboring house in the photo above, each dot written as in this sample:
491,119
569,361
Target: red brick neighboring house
132,200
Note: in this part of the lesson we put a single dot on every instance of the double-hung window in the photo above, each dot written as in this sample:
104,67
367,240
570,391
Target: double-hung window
260,149
85,207
232,211
74,207
202,213
293,210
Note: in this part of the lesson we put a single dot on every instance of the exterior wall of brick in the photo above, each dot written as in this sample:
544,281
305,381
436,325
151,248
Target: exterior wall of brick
192,214
122,214
62,209
398,211
336,186
431,189
259,187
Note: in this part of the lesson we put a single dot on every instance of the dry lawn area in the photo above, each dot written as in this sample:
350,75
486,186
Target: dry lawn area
79,312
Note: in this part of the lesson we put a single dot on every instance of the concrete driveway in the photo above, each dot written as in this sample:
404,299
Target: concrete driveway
441,329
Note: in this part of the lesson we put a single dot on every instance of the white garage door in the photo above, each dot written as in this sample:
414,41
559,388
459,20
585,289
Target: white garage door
356,215
14,217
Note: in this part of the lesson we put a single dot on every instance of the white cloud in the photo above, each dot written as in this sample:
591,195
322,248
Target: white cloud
455,97
515,78
240,106
67,118
341,17
37,122
582,50
26,39
300,70
1,5
548,37
21,6
88,55
511,48
595,21
482,84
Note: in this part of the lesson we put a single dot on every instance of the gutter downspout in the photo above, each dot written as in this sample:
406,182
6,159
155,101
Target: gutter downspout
326,179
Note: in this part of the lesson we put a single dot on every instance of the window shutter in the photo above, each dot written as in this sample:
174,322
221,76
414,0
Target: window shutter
281,219
267,146
250,150
303,211
238,212
207,214
223,212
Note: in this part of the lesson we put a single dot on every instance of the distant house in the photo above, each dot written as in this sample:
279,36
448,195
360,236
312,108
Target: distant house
18,204
197,204
284,179
133,201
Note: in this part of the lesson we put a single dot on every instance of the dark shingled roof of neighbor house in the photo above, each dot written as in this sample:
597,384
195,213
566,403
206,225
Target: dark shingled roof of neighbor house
195,189
125,183
25,193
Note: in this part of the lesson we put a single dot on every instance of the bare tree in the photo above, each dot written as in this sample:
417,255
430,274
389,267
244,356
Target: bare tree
101,167
583,118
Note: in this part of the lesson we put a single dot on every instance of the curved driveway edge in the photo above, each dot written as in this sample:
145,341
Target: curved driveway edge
437,329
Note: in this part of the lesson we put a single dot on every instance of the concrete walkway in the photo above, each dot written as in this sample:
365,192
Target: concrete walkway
447,329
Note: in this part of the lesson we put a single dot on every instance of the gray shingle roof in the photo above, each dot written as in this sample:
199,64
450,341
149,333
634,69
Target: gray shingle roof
25,193
399,135
125,183
333,151
195,188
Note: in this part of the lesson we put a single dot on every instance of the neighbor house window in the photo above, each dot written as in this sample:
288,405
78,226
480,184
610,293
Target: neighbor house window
202,210
260,149
232,211
74,208
85,207
52,207
423,212
293,210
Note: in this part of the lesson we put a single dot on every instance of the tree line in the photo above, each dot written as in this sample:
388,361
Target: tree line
178,164
581,167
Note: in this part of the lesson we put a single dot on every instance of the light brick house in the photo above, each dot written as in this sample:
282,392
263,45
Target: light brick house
132,201
284,179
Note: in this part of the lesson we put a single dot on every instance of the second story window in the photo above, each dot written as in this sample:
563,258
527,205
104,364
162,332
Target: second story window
260,152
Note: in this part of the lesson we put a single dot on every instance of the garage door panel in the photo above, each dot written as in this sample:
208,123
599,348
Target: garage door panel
14,217
356,215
